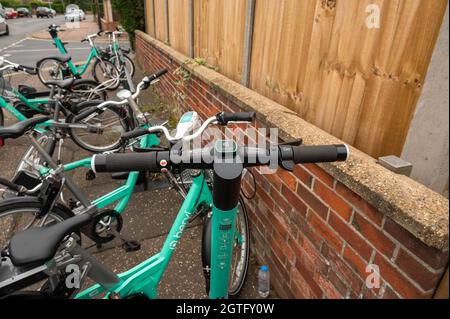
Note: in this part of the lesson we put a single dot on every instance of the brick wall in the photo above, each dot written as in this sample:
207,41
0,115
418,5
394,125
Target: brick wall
316,235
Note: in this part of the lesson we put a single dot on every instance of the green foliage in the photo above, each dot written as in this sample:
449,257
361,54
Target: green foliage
131,16
11,3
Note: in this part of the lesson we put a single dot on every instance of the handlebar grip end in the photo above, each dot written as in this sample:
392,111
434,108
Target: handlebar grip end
343,152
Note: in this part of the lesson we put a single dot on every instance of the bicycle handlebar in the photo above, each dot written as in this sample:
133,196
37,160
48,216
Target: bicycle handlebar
222,118
8,65
205,158
143,85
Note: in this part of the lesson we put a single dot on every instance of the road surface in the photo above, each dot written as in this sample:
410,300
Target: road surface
18,47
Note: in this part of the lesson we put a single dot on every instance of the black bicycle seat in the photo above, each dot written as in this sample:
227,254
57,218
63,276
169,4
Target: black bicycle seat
62,84
39,245
19,129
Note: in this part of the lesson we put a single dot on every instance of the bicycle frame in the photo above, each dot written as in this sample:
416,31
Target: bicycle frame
76,70
121,195
145,277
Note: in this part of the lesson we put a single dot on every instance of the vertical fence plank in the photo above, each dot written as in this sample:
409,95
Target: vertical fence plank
219,34
179,32
248,42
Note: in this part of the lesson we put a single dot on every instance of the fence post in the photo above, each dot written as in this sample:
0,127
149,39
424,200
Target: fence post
154,18
248,42
166,5
191,28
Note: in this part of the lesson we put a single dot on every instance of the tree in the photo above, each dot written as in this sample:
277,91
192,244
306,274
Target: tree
131,16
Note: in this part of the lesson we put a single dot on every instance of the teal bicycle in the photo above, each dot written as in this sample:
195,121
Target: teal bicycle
29,258
66,99
103,71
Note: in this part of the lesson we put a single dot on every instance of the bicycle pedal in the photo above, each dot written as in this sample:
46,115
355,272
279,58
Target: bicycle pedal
90,175
131,246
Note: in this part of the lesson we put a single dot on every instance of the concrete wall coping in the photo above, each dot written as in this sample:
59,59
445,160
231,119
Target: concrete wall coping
418,209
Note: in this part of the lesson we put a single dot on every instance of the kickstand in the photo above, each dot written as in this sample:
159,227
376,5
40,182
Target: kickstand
128,245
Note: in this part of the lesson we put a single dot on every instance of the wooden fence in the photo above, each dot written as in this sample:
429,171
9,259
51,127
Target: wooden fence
317,57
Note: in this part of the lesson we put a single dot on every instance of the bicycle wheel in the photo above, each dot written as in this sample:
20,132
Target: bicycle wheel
107,74
50,70
87,90
241,252
22,213
113,121
129,64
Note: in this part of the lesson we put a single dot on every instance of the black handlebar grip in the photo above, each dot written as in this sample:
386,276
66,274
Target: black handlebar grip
158,74
224,117
28,69
134,134
320,154
130,162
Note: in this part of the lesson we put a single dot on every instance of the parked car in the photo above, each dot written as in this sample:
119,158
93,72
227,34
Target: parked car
23,12
11,13
53,12
75,15
4,28
44,12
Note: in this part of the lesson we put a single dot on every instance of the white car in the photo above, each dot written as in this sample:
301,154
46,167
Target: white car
4,28
75,15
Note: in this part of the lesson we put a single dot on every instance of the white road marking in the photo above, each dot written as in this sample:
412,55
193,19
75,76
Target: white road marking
43,50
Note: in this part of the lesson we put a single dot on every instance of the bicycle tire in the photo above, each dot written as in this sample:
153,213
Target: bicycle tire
129,61
41,70
83,85
17,205
111,67
206,252
114,110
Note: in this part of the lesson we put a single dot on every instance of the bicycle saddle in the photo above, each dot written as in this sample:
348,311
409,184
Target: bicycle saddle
39,245
62,84
19,129
62,59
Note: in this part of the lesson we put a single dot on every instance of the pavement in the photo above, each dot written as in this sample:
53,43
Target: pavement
148,217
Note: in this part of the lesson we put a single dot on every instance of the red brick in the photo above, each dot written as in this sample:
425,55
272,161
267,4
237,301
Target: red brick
355,261
280,202
374,235
266,199
337,282
431,256
312,201
274,180
325,231
328,289
415,270
320,174
299,286
399,282
309,279
333,200
295,202
389,294
348,275
288,178
350,236
281,241
368,210
303,175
